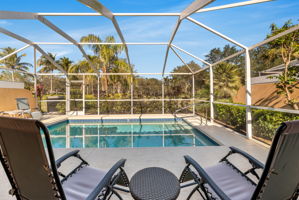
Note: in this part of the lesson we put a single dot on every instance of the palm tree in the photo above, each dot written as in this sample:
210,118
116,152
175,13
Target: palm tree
47,66
107,55
119,82
65,63
13,62
84,67
227,80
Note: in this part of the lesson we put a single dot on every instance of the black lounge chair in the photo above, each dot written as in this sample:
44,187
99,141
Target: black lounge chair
279,179
33,174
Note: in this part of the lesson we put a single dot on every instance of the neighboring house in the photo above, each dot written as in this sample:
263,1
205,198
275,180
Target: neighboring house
264,91
9,91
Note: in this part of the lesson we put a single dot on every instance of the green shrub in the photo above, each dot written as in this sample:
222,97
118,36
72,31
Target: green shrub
91,107
231,115
203,109
61,107
90,97
148,107
266,122
173,106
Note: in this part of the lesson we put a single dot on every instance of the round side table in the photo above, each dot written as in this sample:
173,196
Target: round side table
154,183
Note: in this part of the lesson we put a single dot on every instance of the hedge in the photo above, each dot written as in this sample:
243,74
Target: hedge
234,116
264,124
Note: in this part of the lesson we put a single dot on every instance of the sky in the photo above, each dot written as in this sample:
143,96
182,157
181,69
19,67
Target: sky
247,25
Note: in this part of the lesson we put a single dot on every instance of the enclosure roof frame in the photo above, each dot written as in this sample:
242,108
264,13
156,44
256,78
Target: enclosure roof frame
195,7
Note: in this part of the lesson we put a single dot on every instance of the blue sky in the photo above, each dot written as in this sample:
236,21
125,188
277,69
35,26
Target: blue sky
247,25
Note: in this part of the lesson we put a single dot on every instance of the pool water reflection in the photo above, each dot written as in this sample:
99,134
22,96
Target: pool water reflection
113,135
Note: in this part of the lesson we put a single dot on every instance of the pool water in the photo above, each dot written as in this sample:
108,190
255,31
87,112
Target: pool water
88,134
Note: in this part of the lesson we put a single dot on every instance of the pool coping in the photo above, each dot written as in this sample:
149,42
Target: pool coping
60,118
203,132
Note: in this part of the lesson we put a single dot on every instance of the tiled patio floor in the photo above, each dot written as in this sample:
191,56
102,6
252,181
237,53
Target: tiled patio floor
170,158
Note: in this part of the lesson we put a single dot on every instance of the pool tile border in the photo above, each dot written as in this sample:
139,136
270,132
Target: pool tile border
129,120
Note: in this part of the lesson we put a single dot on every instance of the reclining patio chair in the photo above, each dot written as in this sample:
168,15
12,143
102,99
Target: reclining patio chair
279,179
24,108
34,175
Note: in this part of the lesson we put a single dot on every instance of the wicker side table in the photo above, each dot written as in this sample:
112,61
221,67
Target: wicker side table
154,183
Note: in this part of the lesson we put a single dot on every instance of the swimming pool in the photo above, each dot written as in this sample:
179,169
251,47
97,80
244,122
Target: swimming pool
126,133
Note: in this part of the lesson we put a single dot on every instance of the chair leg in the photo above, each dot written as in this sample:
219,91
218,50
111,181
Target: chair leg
198,188
192,192
205,192
107,193
116,193
110,196
200,194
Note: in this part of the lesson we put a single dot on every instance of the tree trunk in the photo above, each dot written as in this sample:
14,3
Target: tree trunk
92,89
289,98
105,81
51,84
119,88
13,75
288,93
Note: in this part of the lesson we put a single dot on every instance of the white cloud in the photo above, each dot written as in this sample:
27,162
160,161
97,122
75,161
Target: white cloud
134,29
5,22
62,53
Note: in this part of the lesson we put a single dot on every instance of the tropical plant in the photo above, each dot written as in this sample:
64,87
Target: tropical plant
261,60
179,86
286,47
217,54
39,91
107,55
47,66
13,62
226,80
120,83
83,66
65,63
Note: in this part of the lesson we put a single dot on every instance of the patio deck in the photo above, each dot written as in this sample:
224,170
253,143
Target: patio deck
170,158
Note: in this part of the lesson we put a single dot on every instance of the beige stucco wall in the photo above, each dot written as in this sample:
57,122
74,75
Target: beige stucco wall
264,95
8,98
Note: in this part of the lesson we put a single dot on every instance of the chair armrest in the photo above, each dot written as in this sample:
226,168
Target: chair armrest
205,178
106,180
66,156
251,159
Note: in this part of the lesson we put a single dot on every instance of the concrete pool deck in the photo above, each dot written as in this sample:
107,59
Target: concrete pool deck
170,158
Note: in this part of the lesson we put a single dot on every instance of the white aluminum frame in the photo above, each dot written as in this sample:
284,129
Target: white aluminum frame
226,6
195,7
100,8
192,8
16,51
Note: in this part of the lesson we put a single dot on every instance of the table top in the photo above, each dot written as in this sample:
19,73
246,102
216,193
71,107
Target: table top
154,183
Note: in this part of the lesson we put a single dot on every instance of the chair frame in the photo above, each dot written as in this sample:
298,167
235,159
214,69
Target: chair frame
188,174
203,178
104,190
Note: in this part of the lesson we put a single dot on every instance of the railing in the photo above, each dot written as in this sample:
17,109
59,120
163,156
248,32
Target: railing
117,100
203,119
141,108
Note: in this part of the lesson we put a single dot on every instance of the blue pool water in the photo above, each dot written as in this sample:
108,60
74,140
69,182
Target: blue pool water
121,133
